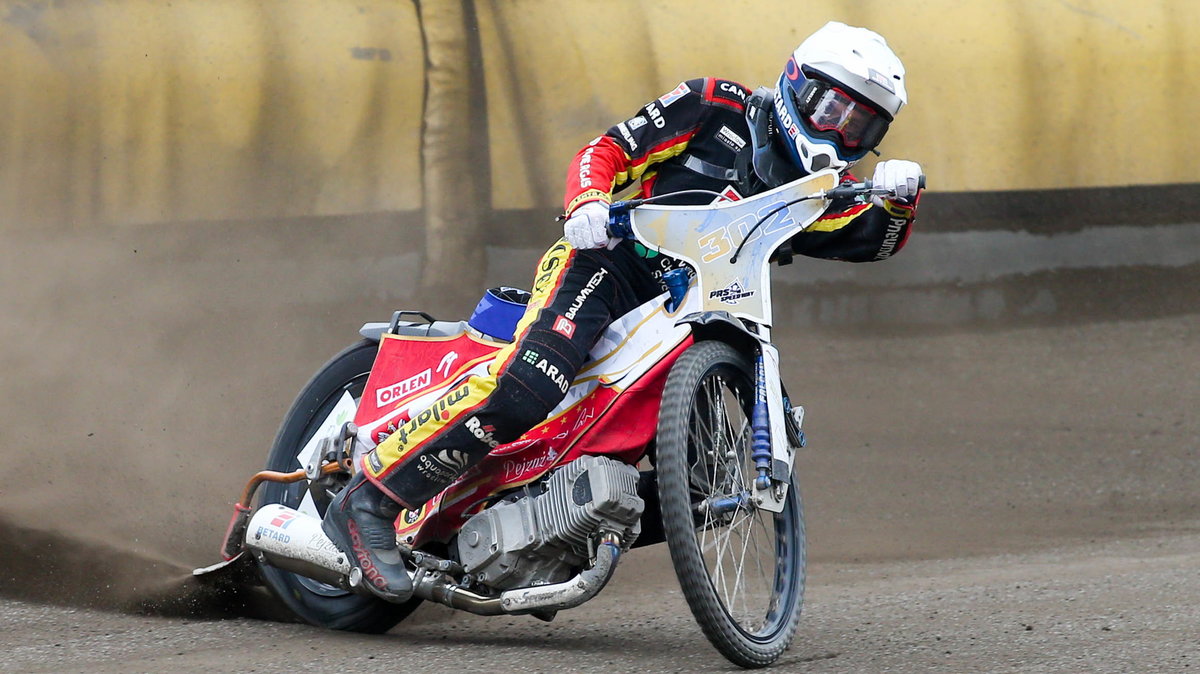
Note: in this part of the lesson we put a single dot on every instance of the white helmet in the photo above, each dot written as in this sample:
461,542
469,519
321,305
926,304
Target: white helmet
837,95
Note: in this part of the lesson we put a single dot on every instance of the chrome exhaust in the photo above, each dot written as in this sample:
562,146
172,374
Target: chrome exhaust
571,593
293,541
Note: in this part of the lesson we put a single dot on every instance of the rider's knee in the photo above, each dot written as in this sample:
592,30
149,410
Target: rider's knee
537,381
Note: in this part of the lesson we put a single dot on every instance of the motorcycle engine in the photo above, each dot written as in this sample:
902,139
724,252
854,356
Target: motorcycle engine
542,538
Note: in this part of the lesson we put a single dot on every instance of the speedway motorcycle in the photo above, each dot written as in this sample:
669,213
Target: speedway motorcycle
676,429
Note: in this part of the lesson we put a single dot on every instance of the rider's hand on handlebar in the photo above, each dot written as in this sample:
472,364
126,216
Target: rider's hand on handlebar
587,226
899,176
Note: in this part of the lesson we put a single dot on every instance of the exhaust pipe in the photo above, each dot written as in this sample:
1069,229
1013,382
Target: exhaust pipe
293,541
571,593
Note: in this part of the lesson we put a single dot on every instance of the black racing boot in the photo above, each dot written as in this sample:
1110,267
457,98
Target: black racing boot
361,523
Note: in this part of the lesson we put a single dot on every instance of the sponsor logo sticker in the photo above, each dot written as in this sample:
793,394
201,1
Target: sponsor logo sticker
454,459
656,115
584,293
413,516
552,373
891,238
636,123
516,468
731,294
785,117
394,392
791,70
447,361
674,94
585,163
882,80
375,464
627,136
482,433
282,520
730,139
436,411
565,327
435,471
733,89
364,558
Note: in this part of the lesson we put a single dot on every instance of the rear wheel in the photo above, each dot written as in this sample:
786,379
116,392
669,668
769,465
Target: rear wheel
741,568
322,400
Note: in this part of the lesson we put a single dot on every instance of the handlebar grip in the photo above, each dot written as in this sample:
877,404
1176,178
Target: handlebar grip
619,225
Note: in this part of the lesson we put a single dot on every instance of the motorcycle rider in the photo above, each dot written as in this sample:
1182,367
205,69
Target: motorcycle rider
834,101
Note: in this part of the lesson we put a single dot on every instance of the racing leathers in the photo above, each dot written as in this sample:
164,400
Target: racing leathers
694,137
697,137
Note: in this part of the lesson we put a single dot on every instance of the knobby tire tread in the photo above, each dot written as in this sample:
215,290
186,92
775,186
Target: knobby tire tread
675,501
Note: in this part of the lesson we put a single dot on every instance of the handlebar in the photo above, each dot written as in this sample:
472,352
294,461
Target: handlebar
620,226
865,188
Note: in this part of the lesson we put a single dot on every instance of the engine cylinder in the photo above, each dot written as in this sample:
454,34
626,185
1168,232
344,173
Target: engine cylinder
542,538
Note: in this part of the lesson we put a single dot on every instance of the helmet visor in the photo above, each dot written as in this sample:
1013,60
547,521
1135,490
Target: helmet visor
829,109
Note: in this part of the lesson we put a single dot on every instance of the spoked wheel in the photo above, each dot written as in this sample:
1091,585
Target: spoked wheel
321,404
741,568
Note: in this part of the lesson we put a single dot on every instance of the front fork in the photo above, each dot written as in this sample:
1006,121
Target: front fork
771,444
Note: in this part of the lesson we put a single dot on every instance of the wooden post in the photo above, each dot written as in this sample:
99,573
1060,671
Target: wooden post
454,148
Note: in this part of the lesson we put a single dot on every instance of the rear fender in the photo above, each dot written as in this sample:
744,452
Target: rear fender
427,327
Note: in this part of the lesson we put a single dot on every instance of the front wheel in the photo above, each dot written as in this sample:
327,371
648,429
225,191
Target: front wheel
741,568
321,403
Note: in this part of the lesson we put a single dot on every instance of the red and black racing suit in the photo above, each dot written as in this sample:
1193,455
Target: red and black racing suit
693,137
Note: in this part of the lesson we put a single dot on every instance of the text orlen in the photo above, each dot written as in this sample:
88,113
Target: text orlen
388,394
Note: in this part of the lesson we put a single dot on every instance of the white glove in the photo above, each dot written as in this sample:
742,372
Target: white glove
587,226
899,176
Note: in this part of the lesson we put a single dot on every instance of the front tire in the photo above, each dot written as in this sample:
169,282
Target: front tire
742,569
317,603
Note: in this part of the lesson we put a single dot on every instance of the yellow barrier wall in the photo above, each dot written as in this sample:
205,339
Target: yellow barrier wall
134,111
126,111
1014,94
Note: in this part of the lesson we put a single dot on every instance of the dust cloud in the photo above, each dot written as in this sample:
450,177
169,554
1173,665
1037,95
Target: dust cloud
146,371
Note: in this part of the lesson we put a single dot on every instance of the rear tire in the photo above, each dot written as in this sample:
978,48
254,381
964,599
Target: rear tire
317,603
742,569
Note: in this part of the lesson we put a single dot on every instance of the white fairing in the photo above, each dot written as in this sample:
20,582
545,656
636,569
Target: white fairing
707,237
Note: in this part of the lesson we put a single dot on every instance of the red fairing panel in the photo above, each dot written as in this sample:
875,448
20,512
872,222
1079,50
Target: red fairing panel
406,368
616,424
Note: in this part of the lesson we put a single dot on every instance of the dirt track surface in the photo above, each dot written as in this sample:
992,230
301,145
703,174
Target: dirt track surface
1119,606
979,499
